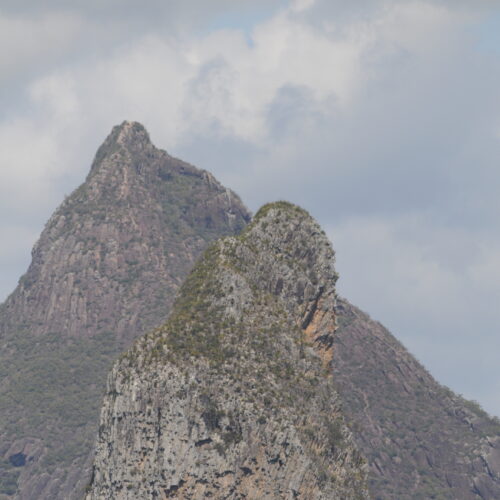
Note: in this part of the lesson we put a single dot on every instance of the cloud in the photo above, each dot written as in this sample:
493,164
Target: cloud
301,5
26,43
15,256
214,79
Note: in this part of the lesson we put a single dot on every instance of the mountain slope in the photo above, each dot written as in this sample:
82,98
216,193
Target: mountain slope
421,440
104,271
232,397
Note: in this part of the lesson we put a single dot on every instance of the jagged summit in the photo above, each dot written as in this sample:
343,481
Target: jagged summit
289,209
133,187
128,163
126,138
131,131
230,398
283,252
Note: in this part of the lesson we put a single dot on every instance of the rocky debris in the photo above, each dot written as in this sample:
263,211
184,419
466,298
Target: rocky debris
105,270
421,440
232,397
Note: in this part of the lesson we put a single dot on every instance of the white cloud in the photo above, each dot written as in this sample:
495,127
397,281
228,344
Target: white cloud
15,256
406,251
418,26
29,155
217,78
25,42
301,5
485,270
56,97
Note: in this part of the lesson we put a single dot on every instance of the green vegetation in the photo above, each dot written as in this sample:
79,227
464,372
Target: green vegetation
8,478
284,206
62,379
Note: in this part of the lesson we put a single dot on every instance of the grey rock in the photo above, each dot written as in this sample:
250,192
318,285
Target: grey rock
232,397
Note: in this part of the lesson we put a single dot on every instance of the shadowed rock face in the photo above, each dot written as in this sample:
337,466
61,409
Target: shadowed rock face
421,440
104,271
232,397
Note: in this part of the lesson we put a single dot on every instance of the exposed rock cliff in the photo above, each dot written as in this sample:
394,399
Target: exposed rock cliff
232,397
421,440
104,271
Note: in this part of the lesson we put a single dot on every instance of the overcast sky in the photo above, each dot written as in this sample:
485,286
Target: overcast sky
381,118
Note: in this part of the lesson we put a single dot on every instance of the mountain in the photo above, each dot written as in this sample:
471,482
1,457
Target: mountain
233,397
421,440
104,271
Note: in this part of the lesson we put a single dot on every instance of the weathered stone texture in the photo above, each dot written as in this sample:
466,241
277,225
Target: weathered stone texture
230,399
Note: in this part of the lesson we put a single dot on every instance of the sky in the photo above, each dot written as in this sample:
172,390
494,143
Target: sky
382,118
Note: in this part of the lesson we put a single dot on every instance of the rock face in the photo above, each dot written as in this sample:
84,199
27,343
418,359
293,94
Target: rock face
232,397
421,440
104,271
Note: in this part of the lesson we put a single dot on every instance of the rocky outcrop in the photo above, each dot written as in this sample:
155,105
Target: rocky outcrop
105,270
421,440
232,397
134,228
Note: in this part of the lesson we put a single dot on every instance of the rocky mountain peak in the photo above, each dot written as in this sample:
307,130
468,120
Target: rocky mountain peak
132,137
105,270
229,399
288,233
132,133
127,147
